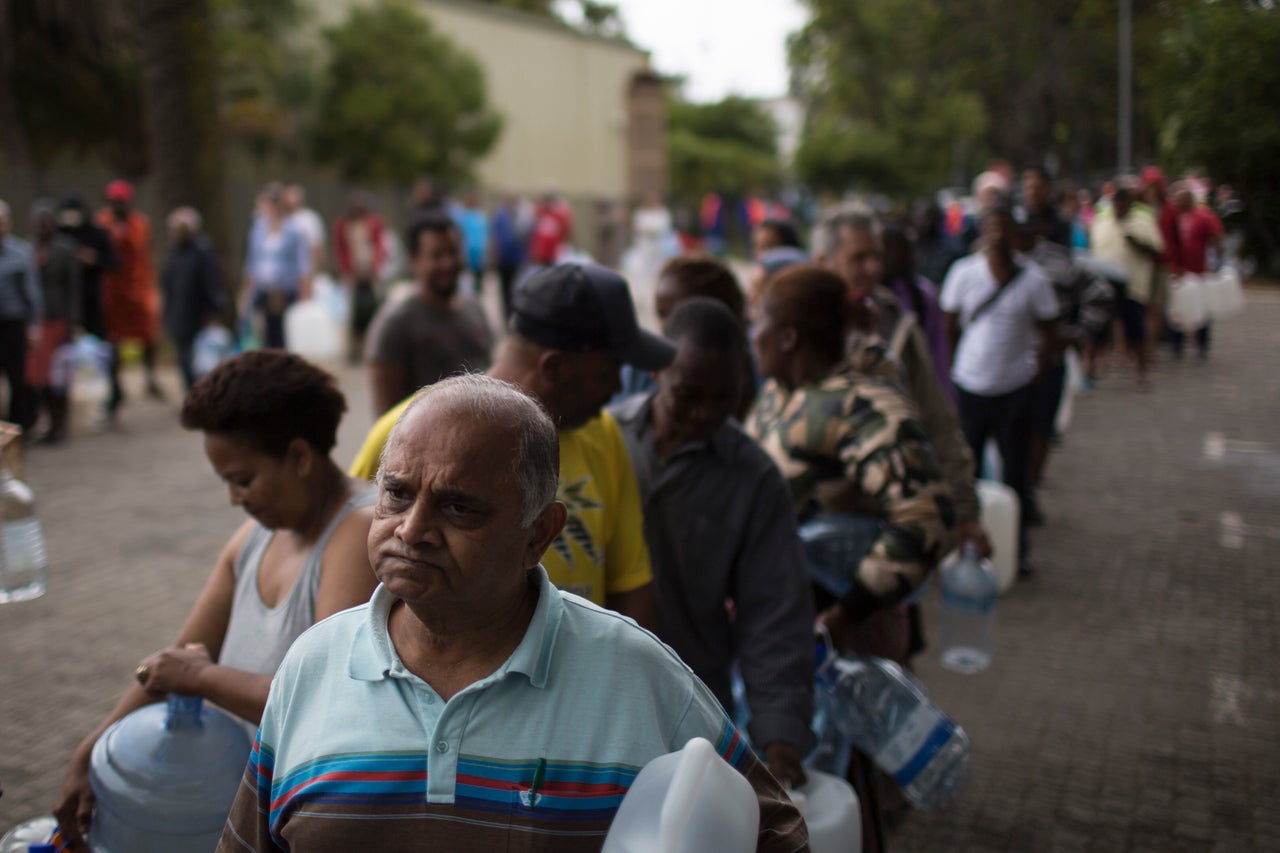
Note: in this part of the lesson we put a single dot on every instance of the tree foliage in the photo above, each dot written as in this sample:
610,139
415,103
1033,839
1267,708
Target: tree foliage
589,16
906,95
90,99
266,74
729,147
1219,84
399,100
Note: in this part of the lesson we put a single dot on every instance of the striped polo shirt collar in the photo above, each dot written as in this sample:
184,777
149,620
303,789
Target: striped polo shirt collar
373,656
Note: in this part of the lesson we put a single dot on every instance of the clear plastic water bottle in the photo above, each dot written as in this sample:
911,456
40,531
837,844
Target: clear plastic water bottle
24,568
969,592
886,714
833,750
28,834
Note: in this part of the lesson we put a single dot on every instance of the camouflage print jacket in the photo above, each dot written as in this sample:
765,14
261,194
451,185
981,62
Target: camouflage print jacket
853,444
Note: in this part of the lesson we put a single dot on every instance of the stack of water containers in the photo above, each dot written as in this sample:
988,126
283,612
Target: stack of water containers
869,702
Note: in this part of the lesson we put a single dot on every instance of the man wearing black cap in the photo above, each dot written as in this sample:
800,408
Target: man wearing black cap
572,327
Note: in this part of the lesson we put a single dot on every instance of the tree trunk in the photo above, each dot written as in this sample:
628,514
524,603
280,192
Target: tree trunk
17,175
180,93
17,179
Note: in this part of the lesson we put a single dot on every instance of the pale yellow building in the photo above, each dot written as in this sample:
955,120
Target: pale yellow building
581,112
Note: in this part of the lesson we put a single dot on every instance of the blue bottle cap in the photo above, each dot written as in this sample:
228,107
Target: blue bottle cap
41,848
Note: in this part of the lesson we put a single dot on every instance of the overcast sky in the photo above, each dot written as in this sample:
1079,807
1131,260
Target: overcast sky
722,47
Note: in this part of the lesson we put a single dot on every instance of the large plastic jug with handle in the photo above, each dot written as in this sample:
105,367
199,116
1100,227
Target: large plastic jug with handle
164,778
310,332
1000,511
686,802
1223,294
1187,310
830,809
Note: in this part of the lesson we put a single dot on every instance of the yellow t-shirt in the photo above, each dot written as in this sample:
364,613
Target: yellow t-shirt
601,550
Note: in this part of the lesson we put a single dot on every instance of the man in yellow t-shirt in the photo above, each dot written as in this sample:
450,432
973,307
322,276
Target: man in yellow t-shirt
572,327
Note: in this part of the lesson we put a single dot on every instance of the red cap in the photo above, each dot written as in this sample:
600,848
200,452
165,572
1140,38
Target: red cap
120,191
1152,175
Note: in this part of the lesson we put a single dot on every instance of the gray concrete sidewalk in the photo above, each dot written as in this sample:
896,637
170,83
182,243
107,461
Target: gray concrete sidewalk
1134,700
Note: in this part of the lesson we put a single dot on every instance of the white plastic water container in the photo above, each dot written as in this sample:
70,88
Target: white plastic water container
334,297
211,347
1224,296
310,332
999,516
90,366
165,777
689,801
1071,387
831,811
1187,310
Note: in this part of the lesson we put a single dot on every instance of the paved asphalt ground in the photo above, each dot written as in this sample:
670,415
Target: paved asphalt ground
1134,699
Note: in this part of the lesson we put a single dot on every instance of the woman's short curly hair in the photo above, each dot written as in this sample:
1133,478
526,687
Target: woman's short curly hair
267,398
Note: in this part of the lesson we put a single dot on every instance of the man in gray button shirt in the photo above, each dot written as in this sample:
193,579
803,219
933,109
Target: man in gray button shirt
728,570
21,309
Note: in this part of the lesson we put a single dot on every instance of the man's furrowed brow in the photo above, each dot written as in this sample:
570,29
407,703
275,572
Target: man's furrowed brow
456,494
390,479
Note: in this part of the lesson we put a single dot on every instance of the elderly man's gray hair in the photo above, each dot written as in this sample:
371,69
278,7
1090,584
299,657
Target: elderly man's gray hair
536,466
826,236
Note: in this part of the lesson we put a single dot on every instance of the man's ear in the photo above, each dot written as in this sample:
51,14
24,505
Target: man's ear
545,528
788,338
551,365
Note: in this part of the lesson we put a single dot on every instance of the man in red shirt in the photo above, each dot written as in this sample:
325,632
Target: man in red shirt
1199,229
552,228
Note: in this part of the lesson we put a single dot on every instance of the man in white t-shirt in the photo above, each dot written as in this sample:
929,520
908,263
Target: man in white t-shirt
308,222
1000,314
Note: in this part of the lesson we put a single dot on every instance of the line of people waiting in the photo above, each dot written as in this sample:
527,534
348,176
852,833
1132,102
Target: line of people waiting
671,510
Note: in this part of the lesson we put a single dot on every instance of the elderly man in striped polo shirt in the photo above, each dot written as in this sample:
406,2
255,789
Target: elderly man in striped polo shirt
470,705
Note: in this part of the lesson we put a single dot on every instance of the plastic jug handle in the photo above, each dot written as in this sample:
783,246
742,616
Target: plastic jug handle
677,808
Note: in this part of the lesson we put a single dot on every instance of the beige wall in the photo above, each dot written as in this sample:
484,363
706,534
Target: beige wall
563,96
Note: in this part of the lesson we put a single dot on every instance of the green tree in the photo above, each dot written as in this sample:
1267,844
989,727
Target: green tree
906,95
1219,84
87,102
267,74
180,90
729,147
588,16
399,100
881,113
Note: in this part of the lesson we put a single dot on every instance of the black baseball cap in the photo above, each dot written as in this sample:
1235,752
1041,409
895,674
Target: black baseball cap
585,308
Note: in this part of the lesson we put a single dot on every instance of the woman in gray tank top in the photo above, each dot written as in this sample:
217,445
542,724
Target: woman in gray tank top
270,421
